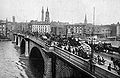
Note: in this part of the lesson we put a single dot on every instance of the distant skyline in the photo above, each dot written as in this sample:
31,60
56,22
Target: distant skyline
72,11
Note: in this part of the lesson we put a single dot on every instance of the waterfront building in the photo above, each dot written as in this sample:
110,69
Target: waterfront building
88,29
97,31
105,31
76,30
3,27
22,27
118,30
113,30
42,26
102,31
57,28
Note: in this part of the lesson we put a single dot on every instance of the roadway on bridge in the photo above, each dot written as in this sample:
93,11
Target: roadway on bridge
108,61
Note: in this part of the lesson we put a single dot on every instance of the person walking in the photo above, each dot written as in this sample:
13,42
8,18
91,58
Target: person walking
98,57
109,67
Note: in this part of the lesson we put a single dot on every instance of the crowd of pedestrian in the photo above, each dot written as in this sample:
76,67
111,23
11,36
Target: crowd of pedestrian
70,44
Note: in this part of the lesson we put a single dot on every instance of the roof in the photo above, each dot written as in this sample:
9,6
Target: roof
39,23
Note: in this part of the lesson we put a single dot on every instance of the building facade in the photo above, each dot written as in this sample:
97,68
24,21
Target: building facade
76,30
57,28
118,30
105,31
3,27
42,26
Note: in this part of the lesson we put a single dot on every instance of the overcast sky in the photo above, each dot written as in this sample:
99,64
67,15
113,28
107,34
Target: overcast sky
73,11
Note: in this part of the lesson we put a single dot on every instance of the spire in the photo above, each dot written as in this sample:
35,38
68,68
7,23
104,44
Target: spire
42,14
13,19
6,27
47,19
42,9
93,15
47,9
85,21
6,20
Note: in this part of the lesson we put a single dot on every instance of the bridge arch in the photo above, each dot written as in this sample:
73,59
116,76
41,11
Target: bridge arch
36,53
37,61
22,46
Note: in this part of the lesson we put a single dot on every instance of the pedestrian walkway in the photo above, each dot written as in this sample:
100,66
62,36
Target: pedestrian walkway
107,62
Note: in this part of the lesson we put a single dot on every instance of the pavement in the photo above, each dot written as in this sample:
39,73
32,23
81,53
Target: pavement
108,61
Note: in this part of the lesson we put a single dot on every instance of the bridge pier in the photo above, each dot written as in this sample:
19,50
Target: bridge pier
48,69
14,38
19,40
26,49
53,67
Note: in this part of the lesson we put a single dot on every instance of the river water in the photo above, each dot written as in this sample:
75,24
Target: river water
12,65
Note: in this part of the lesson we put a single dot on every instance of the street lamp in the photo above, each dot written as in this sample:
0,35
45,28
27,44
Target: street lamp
92,50
92,66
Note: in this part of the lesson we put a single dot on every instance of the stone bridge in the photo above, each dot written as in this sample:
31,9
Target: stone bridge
58,63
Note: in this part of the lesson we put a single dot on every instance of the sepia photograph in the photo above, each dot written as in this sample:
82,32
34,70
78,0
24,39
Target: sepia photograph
59,38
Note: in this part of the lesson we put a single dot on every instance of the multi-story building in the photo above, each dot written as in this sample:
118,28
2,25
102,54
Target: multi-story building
57,28
118,30
97,30
76,30
22,27
42,26
3,28
105,31
88,30
101,31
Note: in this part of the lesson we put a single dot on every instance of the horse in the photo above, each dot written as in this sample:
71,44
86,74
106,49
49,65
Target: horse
116,62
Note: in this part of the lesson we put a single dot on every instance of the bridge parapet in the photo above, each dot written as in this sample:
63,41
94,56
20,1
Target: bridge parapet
84,64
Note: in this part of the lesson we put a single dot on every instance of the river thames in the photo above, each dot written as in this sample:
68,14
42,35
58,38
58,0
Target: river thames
12,65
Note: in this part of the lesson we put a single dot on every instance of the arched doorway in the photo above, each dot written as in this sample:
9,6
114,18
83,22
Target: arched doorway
22,47
17,41
36,62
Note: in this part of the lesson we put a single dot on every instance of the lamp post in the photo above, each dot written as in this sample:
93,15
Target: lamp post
92,67
91,56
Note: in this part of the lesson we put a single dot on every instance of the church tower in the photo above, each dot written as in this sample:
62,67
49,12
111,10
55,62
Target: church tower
42,14
118,29
85,21
13,19
47,19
